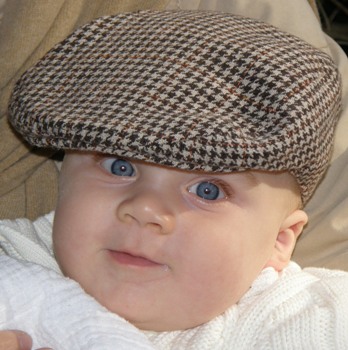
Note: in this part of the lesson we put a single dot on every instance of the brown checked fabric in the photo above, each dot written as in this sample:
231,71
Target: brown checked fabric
198,91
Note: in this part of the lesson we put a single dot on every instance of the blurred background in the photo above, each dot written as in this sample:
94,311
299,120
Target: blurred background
334,18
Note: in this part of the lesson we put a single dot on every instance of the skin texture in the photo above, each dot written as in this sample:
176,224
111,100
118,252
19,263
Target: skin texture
16,340
150,248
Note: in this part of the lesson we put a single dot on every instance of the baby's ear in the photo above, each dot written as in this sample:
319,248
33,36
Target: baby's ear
286,240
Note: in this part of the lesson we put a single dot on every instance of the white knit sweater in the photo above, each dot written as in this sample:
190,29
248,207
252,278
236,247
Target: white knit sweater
296,309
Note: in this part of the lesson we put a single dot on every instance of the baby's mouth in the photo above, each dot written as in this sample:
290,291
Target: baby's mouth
125,258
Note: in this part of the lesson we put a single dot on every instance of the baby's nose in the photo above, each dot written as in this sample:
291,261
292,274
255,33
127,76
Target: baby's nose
149,211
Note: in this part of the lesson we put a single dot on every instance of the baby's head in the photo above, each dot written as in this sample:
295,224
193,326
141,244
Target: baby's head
192,141
166,248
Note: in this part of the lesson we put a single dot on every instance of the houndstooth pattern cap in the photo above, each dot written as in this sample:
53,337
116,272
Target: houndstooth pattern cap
198,91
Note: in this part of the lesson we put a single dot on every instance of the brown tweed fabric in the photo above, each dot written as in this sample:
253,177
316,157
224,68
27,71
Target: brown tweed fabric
194,90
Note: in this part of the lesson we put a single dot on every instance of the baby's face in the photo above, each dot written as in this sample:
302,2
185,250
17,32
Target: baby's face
165,249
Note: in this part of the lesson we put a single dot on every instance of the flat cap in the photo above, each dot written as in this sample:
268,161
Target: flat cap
198,91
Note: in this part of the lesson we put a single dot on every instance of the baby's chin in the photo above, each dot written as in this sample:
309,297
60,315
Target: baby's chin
168,322
166,325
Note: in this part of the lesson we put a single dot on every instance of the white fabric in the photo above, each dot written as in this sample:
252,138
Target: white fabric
56,312
297,309
30,241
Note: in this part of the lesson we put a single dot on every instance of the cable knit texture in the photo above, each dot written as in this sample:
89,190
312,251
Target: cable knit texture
294,309
55,311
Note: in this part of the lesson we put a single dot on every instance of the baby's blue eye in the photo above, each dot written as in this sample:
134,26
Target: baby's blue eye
207,190
119,167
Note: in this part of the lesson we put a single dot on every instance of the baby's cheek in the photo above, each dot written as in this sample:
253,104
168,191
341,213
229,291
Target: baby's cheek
212,286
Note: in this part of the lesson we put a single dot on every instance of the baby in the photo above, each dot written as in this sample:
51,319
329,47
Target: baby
192,142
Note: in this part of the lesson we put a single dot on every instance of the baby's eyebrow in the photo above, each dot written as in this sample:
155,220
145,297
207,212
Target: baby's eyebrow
244,178
251,178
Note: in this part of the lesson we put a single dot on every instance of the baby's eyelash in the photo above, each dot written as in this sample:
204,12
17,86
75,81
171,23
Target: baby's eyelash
97,157
226,188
